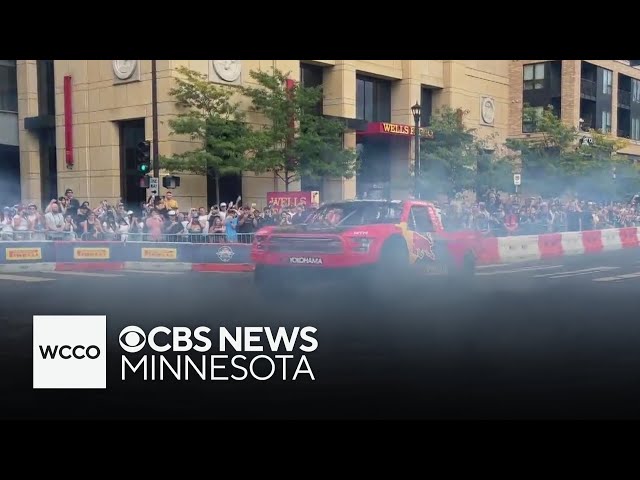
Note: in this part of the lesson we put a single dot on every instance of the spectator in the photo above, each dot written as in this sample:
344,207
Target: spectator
223,211
247,223
54,221
174,228
231,226
203,218
155,224
217,229
69,227
91,228
72,203
21,224
6,224
170,202
267,218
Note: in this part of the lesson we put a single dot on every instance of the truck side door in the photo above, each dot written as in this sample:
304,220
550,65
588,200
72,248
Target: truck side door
427,249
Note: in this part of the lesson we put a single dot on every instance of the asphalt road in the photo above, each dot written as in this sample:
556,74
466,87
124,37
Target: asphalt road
554,339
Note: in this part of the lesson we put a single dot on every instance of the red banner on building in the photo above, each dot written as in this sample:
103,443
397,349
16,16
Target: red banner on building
283,199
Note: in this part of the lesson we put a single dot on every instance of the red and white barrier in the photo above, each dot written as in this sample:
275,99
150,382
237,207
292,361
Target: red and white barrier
539,247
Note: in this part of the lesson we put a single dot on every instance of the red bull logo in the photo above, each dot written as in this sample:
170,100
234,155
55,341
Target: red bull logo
423,246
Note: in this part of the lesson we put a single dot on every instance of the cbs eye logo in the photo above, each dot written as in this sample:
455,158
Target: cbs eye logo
132,339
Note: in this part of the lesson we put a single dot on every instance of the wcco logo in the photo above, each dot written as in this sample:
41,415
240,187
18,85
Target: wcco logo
69,352
79,351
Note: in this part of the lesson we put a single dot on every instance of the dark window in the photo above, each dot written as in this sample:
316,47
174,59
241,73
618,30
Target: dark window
312,76
426,104
419,220
635,90
635,128
607,81
373,99
8,86
606,122
529,120
48,165
46,88
533,76
132,132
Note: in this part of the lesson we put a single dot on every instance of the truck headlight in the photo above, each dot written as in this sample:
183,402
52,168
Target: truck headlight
362,245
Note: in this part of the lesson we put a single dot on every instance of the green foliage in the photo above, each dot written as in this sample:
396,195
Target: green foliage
554,163
312,145
214,122
450,162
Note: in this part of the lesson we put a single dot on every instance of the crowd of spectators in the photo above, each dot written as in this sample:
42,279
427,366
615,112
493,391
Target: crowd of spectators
160,218
514,215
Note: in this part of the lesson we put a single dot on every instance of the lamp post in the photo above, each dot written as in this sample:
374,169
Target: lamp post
154,118
415,110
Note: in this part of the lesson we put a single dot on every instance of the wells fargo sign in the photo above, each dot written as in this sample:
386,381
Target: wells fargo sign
378,128
23,254
284,199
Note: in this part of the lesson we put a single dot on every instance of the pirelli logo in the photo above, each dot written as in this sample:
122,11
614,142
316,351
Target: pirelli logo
160,253
16,254
91,253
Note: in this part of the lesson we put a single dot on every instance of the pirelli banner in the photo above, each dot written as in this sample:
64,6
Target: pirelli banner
28,252
157,252
89,252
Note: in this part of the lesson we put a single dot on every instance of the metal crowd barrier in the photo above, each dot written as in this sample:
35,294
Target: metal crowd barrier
245,238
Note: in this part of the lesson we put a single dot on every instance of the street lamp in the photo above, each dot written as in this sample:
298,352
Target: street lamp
415,110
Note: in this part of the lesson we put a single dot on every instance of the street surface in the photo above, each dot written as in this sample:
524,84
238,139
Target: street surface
548,339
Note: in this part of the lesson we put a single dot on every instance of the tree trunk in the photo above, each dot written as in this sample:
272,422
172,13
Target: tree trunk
217,180
286,180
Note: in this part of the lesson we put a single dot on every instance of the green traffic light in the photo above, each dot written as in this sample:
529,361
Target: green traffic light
144,168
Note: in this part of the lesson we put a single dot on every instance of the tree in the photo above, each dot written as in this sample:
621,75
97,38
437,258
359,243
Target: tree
212,120
296,140
555,162
455,160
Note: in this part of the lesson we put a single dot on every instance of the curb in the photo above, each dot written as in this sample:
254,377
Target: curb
89,266
221,267
158,266
28,267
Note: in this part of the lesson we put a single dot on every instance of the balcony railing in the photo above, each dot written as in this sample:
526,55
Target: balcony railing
624,98
588,88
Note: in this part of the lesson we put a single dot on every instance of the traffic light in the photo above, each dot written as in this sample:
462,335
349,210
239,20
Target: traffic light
144,182
170,181
143,155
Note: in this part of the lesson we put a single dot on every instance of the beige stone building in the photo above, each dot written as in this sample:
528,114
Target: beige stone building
79,121
587,94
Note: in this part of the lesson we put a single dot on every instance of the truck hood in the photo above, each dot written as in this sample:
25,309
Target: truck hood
310,229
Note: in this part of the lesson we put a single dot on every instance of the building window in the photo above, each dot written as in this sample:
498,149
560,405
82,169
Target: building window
607,81
132,132
46,88
312,76
534,76
635,90
8,86
606,122
529,121
373,99
635,128
426,106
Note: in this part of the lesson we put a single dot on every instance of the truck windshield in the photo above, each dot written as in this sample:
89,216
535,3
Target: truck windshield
356,213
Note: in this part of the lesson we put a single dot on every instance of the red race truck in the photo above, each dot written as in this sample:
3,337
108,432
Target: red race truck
383,242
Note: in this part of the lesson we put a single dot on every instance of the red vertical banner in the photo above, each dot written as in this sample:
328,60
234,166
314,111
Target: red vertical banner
68,122
290,86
